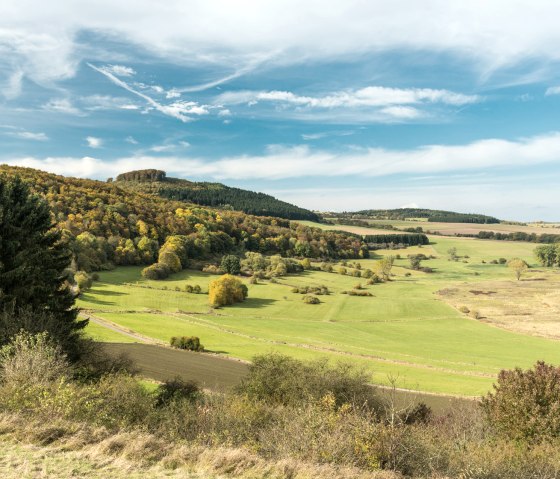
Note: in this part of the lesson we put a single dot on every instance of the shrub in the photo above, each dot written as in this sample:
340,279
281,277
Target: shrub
189,343
212,269
525,405
253,279
279,379
188,288
474,314
464,310
176,389
502,261
156,271
308,299
226,290
83,280
359,293
196,289
32,359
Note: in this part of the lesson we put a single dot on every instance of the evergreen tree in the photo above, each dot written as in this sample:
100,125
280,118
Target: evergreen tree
33,263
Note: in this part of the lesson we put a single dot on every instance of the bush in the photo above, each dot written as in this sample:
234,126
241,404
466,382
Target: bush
176,389
83,280
212,269
311,299
525,405
32,359
189,343
359,293
502,261
475,314
464,310
226,290
156,271
279,379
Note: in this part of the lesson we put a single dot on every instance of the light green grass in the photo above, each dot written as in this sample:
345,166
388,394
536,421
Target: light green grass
404,330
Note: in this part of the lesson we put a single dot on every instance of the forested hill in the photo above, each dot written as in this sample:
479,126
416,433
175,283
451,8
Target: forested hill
439,216
107,225
211,194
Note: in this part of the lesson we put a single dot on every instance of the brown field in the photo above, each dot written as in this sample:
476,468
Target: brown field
530,306
220,374
471,228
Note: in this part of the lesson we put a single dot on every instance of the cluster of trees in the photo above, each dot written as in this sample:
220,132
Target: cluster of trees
212,194
408,239
106,225
518,236
188,343
548,255
431,215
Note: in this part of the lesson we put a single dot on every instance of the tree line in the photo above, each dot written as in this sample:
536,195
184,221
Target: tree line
408,239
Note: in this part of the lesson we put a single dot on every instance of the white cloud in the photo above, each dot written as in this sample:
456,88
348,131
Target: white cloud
62,105
131,140
301,161
120,70
94,142
28,135
42,39
107,102
553,90
372,96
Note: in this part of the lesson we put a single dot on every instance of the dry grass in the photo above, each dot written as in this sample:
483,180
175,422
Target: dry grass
530,306
66,450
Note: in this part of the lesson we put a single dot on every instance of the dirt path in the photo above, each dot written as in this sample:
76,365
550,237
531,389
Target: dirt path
119,329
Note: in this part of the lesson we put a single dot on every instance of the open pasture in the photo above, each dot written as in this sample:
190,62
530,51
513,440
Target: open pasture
405,330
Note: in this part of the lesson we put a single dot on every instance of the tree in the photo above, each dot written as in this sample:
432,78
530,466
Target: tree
231,264
518,266
226,290
33,269
452,252
415,261
383,267
525,405
548,255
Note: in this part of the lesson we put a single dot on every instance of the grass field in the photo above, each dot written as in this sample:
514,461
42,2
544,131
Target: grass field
406,330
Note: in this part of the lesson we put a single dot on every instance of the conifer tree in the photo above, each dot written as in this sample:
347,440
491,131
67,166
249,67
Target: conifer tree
34,292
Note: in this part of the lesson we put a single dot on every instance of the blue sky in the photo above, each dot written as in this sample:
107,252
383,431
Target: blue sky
332,105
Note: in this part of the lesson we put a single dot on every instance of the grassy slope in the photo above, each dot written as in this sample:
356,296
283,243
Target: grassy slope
404,330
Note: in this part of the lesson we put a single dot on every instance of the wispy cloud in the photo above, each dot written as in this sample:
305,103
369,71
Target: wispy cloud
553,90
131,140
29,135
178,109
107,102
94,142
372,96
62,105
120,70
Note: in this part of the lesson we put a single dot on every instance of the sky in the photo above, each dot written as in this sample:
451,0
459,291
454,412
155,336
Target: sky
332,105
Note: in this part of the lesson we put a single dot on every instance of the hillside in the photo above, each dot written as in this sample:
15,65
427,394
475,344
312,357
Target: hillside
108,225
211,194
440,216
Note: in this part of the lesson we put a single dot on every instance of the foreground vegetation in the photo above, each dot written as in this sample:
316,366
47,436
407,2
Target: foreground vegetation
287,419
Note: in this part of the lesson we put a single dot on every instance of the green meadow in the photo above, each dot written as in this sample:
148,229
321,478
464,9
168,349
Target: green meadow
404,332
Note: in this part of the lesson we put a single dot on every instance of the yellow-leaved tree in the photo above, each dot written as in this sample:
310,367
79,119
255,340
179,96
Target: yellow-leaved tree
227,289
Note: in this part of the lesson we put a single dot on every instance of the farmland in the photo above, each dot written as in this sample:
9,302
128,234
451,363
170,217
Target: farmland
406,330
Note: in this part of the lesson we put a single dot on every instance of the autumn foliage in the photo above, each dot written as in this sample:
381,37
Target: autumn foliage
226,290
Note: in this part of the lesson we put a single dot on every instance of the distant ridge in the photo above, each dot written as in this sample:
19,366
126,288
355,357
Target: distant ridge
211,194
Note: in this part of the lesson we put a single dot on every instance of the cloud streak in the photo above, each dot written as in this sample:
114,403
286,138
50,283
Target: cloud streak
178,109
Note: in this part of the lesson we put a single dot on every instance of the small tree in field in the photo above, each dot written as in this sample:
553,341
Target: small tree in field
518,266
226,290
383,267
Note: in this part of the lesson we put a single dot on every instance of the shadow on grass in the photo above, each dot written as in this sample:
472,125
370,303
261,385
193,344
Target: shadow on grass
252,303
